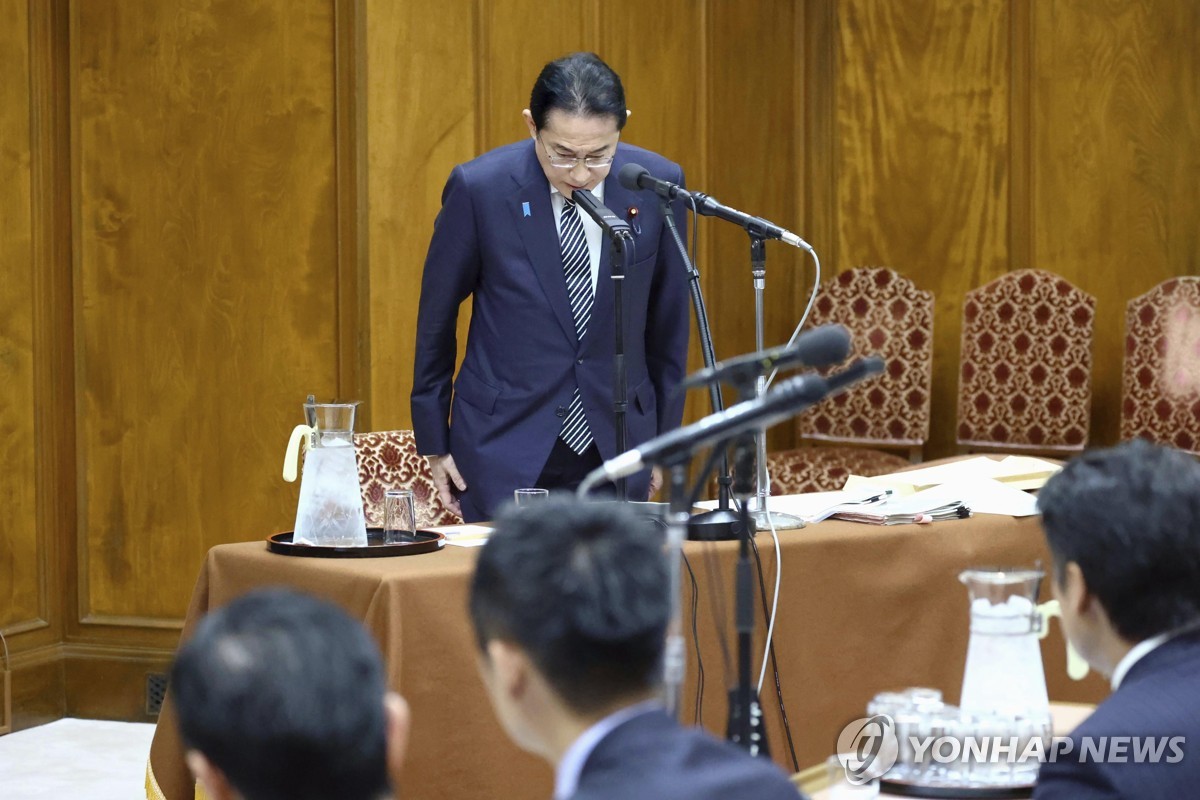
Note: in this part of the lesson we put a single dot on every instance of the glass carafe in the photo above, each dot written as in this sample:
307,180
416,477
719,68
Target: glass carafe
330,510
1004,675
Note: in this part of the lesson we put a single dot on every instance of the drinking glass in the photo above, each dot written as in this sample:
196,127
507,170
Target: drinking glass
525,497
399,516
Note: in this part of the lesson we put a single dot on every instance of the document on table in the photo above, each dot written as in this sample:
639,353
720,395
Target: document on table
1017,472
466,535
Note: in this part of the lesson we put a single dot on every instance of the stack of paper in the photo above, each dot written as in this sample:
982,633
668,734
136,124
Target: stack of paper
931,505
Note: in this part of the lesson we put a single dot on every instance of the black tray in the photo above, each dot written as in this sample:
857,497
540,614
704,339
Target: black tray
430,542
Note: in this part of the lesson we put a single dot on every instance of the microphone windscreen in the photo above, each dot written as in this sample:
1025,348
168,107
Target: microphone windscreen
823,346
629,174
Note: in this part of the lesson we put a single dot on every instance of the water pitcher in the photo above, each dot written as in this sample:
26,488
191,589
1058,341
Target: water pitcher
1004,674
330,511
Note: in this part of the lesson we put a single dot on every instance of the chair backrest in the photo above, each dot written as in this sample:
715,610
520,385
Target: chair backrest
888,316
1025,380
389,460
1160,388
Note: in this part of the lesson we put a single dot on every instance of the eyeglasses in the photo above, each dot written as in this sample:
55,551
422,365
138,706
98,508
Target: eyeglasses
570,162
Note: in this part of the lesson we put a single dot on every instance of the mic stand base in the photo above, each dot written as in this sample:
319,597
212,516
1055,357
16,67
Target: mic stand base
718,525
763,520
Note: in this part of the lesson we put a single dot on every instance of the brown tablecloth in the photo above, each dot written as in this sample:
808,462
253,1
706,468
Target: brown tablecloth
862,609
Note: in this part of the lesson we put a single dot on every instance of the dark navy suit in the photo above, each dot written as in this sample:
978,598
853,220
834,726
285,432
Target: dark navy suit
1159,697
653,757
496,241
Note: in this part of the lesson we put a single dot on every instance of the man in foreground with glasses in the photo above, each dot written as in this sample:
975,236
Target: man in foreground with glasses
570,602
531,405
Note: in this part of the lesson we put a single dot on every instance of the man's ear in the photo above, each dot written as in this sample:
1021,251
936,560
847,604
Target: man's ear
399,726
528,115
216,786
510,667
1075,592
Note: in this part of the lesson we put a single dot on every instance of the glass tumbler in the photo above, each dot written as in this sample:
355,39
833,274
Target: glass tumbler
399,517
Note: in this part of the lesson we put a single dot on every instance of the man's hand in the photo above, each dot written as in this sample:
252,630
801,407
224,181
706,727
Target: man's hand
444,474
656,481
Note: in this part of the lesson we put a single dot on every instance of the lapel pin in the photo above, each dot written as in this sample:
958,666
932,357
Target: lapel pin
634,222
525,209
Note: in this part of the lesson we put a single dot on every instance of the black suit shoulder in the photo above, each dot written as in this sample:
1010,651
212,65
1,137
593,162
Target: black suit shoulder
652,757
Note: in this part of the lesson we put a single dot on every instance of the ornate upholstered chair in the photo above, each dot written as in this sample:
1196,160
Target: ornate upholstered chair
888,316
1025,380
389,460
1160,389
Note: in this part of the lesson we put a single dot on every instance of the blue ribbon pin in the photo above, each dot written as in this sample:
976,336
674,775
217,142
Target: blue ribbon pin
525,209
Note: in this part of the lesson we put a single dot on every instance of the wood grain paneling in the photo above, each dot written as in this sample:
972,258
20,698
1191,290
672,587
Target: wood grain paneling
1116,165
517,38
921,155
752,153
22,559
421,120
206,281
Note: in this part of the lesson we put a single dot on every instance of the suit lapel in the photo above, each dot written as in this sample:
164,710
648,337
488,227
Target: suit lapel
539,233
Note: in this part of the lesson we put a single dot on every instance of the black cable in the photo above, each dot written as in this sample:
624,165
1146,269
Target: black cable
762,589
699,720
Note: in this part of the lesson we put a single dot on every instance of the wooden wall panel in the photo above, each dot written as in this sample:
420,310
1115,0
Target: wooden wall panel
22,558
421,120
1115,160
752,156
206,282
517,38
921,155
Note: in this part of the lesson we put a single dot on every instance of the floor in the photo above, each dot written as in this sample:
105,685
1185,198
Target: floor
80,758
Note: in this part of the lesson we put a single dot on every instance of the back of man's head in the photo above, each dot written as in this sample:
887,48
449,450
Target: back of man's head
284,694
582,589
1129,516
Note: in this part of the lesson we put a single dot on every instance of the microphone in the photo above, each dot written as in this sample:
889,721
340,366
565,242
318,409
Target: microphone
635,176
775,406
819,347
605,218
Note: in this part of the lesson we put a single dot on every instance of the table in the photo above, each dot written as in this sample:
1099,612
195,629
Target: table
863,609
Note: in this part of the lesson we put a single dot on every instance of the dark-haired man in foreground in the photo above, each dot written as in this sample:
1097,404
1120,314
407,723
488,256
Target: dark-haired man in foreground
1123,526
570,603
532,403
281,696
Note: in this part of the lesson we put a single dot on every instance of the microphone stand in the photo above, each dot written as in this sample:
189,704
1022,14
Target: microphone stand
674,657
721,522
620,239
763,518
746,727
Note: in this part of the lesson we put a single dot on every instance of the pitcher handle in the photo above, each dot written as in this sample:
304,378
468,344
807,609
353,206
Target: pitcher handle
291,459
1077,667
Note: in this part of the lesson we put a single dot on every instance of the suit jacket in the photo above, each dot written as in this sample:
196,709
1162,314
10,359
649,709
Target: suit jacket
1159,697
496,241
653,757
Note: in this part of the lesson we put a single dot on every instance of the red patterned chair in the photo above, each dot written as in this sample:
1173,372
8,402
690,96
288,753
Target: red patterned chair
1025,381
887,316
1160,390
389,460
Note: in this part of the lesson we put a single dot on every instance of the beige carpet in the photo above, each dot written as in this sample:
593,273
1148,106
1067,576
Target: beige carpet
80,758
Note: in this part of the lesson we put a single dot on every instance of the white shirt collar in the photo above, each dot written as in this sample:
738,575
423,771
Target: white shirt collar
1136,654
557,197
570,767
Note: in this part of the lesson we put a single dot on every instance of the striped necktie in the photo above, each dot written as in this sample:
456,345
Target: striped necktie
577,269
